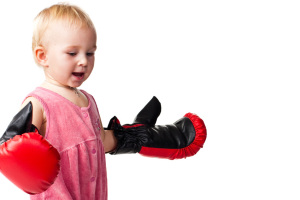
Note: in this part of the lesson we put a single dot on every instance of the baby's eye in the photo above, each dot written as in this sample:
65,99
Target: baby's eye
72,53
90,54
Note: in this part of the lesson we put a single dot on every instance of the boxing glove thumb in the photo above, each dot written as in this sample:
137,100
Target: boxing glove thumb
149,114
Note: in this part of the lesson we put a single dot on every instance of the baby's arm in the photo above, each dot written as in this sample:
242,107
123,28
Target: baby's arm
38,117
181,139
108,139
26,158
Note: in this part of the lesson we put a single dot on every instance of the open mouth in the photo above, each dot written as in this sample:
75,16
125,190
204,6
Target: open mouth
78,74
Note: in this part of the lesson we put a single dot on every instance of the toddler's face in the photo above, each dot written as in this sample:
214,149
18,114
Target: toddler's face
69,53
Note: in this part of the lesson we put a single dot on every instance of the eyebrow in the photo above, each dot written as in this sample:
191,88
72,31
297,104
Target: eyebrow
93,47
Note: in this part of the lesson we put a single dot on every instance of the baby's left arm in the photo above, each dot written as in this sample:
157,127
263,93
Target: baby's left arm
108,139
182,139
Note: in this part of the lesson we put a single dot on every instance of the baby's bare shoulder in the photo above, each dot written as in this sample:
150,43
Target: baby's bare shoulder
38,115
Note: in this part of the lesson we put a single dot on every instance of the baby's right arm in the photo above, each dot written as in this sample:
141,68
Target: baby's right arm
26,158
38,114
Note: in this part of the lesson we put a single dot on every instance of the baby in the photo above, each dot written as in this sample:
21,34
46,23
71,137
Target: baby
64,122
64,44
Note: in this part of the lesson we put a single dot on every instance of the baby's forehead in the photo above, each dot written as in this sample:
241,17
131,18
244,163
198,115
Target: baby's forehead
63,32
70,23
65,26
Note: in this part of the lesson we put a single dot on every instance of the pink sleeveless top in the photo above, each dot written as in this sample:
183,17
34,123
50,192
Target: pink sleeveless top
75,132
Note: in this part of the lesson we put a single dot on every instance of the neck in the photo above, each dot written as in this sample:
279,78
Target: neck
64,86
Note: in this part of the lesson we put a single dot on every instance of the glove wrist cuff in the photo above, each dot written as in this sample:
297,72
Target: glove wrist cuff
130,138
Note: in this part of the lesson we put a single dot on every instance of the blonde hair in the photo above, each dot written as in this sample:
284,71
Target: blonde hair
72,14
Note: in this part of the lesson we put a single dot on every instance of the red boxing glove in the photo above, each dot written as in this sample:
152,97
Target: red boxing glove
26,158
182,139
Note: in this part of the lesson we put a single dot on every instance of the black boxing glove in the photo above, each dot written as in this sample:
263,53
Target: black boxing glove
181,139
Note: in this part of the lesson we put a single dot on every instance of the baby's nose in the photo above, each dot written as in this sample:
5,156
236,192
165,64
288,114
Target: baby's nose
82,60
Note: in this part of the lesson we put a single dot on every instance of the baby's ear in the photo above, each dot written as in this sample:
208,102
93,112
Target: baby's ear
40,56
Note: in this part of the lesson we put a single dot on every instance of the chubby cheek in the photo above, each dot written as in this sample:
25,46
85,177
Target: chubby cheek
91,65
91,61
88,72
60,72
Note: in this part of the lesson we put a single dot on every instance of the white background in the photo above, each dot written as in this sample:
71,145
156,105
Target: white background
234,63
